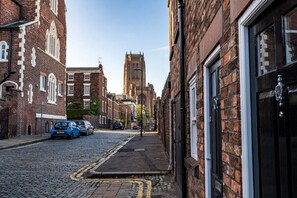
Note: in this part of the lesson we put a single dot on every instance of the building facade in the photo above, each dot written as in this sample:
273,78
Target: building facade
135,81
231,103
88,85
32,74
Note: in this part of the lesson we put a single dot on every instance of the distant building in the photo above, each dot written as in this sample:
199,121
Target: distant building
32,62
134,76
87,85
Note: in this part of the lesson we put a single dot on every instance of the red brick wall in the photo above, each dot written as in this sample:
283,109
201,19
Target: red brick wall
9,11
34,36
207,25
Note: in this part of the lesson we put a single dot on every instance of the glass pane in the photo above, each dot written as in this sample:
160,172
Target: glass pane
291,36
266,51
213,84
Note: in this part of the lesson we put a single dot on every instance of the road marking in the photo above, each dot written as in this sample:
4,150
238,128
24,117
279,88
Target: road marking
24,146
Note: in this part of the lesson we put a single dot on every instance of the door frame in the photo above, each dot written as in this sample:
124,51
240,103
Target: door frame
207,142
254,10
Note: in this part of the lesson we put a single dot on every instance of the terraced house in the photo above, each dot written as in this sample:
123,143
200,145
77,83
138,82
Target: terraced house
32,62
231,98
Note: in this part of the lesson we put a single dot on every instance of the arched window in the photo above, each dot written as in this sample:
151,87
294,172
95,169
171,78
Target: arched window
52,89
52,46
3,47
54,6
30,94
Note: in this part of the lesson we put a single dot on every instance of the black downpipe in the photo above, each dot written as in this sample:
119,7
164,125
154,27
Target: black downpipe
182,93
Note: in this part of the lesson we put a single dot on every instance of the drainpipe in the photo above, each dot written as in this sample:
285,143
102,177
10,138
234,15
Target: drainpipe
181,7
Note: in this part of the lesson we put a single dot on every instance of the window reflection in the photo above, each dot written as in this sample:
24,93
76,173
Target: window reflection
266,51
290,22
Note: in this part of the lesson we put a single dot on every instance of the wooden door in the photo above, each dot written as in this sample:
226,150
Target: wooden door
273,49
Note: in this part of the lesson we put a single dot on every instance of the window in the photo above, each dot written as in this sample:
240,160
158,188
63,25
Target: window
42,83
54,6
60,89
70,77
102,91
86,103
52,83
33,57
70,89
193,128
87,76
4,53
30,94
87,89
53,42
291,36
102,105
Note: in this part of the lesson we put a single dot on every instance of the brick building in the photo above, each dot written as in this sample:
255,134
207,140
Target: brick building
87,85
32,75
134,76
231,104
113,110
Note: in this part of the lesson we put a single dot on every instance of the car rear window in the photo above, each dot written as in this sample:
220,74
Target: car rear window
62,125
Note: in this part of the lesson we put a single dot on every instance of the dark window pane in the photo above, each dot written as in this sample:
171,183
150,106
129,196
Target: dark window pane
290,21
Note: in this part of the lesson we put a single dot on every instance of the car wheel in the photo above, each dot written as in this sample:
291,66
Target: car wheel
70,136
78,135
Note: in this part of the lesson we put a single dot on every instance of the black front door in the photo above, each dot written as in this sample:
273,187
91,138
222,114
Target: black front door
273,47
215,131
4,123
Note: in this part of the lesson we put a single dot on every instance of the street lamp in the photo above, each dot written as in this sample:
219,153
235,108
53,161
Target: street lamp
141,89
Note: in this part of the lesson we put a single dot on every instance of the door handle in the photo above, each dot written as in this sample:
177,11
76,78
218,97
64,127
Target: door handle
278,93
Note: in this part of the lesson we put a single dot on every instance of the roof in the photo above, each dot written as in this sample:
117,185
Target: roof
82,69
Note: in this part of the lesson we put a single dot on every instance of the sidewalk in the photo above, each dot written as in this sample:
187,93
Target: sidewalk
137,169
22,140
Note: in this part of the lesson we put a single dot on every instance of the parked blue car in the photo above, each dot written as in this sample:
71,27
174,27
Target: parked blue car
65,128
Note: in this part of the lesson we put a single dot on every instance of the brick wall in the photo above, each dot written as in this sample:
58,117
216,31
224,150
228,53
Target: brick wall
27,37
207,25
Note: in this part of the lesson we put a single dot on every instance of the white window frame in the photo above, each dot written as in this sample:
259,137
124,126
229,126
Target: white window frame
102,91
193,139
54,6
42,83
4,51
68,89
52,89
70,75
102,106
88,75
87,89
30,94
52,46
60,89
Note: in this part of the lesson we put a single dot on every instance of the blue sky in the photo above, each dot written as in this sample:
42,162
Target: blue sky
110,28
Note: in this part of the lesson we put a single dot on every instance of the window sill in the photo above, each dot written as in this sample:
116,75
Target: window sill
70,95
3,60
43,90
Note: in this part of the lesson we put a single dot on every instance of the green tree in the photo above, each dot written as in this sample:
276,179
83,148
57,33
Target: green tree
145,116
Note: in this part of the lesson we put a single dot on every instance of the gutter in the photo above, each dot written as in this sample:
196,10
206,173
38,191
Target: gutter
181,7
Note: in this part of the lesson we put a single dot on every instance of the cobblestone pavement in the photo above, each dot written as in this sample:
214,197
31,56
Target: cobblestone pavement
44,169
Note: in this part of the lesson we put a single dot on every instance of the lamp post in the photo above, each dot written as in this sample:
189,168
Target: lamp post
141,89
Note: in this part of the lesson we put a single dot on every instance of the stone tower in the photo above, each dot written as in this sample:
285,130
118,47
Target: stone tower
133,67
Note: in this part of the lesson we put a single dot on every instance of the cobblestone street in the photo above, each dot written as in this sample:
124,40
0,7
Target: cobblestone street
44,169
